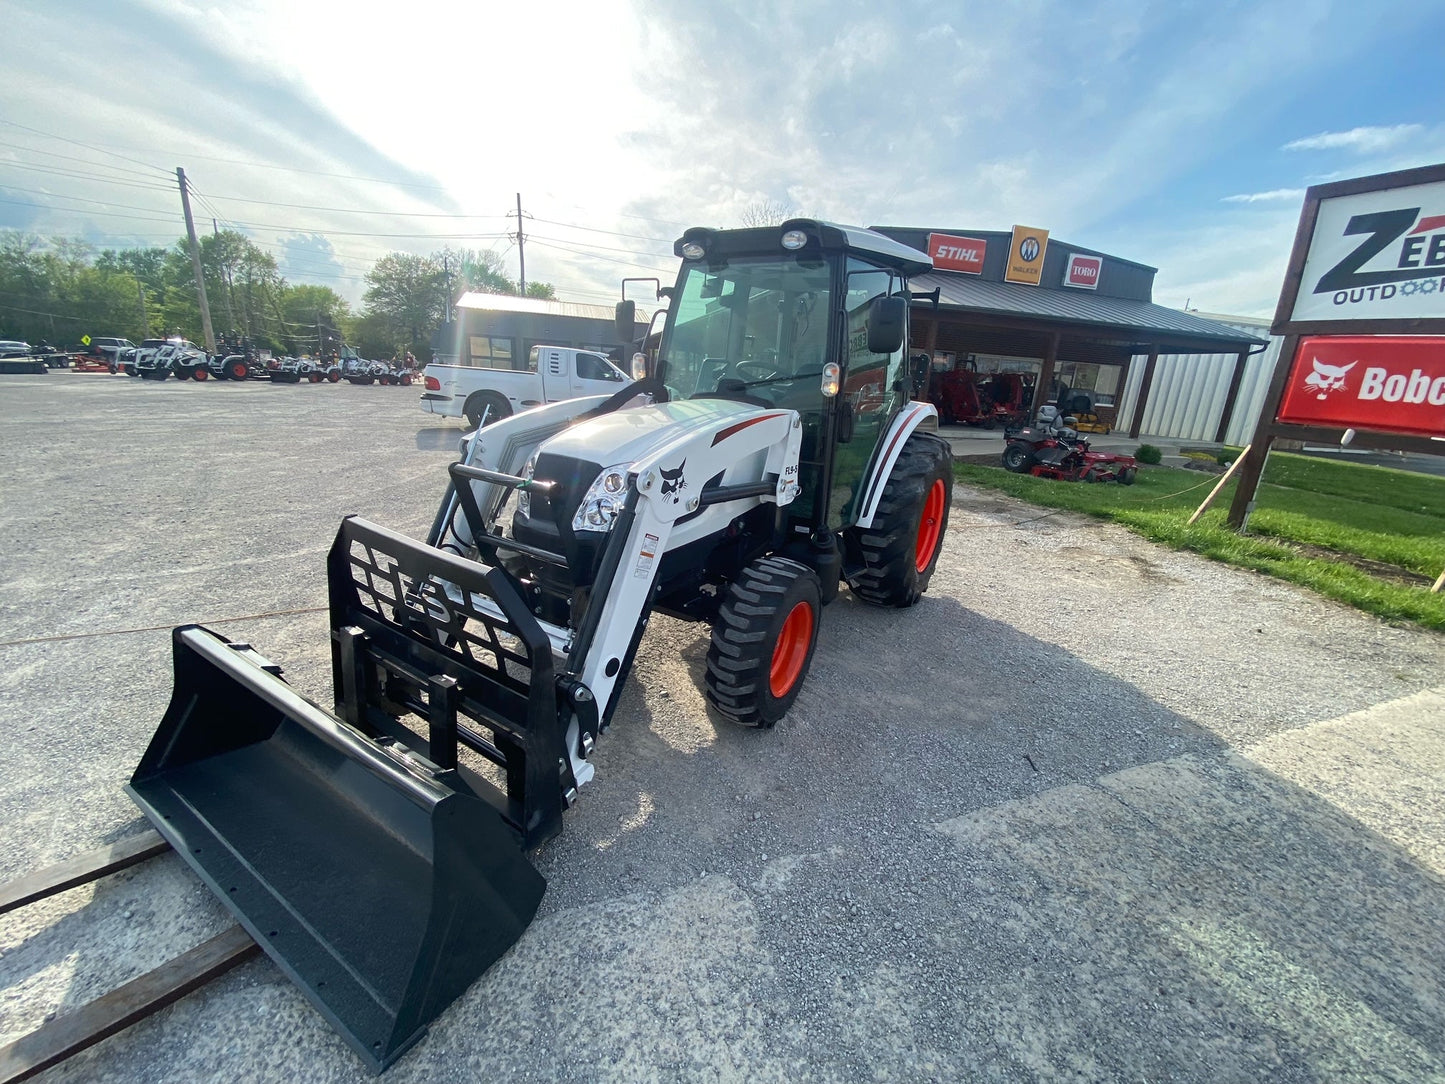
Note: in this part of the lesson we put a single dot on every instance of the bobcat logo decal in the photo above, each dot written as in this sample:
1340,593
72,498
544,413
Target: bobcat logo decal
673,482
1327,378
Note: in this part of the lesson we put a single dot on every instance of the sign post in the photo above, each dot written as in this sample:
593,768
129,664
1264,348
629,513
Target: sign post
1362,310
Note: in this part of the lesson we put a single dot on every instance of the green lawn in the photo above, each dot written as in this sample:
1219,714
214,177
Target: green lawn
1368,536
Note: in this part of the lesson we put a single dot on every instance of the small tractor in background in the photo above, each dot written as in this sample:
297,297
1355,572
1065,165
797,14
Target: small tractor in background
766,453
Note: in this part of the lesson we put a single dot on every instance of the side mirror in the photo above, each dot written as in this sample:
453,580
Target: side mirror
625,321
887,320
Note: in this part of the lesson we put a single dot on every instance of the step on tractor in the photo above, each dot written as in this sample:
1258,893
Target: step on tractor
766,452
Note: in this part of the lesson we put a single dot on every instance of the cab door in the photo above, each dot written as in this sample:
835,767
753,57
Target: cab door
870,394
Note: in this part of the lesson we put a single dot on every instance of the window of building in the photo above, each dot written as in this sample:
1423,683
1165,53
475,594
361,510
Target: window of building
494,352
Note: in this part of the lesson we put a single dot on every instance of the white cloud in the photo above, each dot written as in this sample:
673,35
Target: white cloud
1362,140
1274,195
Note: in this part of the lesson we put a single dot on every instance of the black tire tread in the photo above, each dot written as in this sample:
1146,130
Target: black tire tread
889,575
735,663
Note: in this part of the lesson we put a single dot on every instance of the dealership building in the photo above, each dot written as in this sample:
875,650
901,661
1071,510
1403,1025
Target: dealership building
1019,301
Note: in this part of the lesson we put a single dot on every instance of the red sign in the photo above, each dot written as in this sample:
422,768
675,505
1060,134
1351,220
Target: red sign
957,253
1388,383
1083,271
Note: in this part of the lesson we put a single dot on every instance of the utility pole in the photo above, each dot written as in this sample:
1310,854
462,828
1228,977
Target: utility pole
145,319
521,252
196,263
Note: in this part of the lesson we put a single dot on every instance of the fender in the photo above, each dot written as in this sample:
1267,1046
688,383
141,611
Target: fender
914,415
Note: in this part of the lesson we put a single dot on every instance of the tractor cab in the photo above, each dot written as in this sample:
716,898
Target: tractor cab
808,316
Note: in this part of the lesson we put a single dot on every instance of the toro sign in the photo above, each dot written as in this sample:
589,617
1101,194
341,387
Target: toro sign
1083,271
1382,382
957,253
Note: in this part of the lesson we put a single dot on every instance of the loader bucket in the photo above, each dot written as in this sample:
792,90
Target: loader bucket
380,883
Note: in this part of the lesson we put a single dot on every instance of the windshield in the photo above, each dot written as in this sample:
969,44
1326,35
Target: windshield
751,324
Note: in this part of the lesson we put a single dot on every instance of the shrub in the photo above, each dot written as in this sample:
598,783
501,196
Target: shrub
1147,453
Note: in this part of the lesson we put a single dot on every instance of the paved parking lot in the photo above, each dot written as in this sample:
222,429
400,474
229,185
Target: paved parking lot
1093,810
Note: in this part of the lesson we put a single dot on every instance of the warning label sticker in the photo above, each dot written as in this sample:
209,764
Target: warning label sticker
647,557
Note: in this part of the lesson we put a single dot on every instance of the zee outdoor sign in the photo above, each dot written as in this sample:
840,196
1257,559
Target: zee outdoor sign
1083,271
1381,382
1369,251
1362,312
957,253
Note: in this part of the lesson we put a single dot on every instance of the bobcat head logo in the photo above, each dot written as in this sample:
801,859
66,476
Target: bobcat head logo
673,481
1327,378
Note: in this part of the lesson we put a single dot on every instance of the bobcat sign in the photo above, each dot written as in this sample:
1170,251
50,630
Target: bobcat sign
1362,311
1378,382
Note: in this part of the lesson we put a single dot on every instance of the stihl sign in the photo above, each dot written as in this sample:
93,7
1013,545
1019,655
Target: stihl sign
1377,255
1083,271
1383,382
957,253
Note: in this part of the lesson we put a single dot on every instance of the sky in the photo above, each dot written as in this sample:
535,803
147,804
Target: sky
1180,135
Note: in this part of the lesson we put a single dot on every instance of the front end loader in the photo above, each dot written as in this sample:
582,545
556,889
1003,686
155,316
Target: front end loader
767,452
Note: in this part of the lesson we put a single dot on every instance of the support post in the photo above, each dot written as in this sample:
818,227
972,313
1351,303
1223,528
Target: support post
1142,400
1232,395
145,319
1252,468
1046,373
210,334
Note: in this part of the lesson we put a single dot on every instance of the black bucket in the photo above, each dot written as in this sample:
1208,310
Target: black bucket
382,885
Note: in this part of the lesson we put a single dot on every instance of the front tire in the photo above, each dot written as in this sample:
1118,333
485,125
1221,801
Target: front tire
900,550
763,641
237,369
1016,458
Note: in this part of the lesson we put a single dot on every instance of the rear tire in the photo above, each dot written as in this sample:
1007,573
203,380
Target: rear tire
763,641
1127,475
237,369
495,407
333,377
900,551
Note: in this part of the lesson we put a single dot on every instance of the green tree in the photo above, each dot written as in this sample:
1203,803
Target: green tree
406,296
545,290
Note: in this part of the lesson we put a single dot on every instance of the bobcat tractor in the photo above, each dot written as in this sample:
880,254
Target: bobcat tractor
766,453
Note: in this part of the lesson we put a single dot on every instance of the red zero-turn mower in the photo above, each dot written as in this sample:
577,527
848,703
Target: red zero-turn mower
1054,449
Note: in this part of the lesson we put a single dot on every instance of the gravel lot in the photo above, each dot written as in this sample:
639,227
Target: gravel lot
1093,810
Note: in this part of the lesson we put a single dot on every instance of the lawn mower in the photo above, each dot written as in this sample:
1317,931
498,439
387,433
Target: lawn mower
766,452
1053,448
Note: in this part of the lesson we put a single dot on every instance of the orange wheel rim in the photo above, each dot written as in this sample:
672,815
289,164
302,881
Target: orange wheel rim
241,372
930,526
791,650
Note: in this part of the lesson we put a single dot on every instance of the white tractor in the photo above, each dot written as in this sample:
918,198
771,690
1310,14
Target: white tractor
767,452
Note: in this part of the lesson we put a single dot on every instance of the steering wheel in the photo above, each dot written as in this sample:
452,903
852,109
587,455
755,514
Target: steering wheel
757,370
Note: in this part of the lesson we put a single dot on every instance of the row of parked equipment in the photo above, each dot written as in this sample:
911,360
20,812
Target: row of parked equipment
237,359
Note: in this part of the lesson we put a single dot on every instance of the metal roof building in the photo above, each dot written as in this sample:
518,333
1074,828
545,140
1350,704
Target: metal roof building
1084,320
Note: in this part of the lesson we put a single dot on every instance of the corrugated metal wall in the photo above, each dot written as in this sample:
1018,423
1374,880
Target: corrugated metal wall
1189,390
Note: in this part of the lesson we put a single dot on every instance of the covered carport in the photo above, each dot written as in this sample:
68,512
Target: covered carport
1084,337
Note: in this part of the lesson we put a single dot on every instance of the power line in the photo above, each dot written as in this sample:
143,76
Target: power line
63,171
72,158
77,210
350,210
87,146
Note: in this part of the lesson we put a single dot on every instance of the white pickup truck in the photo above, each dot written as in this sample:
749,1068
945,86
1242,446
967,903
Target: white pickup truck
549,375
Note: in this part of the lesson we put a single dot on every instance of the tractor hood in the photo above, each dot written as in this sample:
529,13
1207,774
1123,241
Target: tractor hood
624,436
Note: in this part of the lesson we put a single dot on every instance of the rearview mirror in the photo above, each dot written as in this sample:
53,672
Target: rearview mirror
625,319
887,320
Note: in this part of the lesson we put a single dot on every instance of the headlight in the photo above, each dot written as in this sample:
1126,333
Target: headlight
603,500
691,250
794,240
524,496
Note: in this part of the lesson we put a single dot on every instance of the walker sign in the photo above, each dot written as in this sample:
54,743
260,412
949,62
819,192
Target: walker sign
1388,383
1375,255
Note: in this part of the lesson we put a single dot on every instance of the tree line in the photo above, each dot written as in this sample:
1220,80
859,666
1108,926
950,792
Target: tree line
61,289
